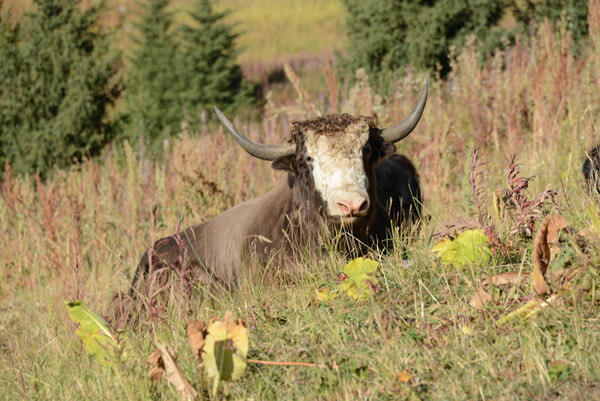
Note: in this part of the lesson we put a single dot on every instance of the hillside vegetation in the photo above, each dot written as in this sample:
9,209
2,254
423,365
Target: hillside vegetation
272,30
81,234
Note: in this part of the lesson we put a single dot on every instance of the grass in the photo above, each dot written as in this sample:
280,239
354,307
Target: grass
287,27
81,234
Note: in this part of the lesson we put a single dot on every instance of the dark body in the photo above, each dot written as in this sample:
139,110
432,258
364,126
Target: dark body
591,169
398,189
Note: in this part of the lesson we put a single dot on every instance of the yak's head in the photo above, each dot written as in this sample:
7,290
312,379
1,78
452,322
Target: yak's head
332,158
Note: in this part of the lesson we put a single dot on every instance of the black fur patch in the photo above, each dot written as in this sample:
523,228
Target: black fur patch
591,169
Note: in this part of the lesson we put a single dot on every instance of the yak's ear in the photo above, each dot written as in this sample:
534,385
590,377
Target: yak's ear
285,163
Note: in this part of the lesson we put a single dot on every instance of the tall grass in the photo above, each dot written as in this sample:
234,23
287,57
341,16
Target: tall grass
81,233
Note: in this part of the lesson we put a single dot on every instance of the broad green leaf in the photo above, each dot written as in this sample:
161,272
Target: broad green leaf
93,331
356,284
225,349
471,247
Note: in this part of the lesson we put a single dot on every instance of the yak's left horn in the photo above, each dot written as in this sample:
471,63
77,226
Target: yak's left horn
258,150
401,130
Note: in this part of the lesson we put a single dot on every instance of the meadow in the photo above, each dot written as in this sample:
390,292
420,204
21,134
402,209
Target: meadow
80,234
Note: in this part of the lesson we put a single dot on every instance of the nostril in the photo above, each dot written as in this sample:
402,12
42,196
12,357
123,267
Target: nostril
364,206
344,207
357,208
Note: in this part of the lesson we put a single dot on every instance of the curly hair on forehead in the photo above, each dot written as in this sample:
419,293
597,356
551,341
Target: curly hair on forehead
330,125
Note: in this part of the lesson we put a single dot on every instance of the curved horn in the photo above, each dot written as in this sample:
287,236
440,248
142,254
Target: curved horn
401,130
258,150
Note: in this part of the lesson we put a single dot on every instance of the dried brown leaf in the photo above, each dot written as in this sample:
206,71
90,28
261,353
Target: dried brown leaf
175,376
197,337
546,236
155,359
156,373
482,297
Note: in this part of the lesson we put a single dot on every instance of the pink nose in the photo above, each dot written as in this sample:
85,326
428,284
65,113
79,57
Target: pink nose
356,208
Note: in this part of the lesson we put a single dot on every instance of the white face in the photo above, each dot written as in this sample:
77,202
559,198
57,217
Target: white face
338,170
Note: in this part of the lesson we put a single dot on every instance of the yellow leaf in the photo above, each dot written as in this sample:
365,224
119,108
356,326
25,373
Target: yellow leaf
359,284
441,246
472,247
323,296
94,332
360,266
225,348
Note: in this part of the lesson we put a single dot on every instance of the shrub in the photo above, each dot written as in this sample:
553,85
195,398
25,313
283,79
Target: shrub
387,35
573,12
57,81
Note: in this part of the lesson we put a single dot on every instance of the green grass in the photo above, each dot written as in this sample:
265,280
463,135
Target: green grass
81,234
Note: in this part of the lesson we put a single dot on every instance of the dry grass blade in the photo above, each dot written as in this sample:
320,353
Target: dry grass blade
175,376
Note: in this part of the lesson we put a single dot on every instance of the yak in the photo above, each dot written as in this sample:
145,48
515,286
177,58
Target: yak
342,176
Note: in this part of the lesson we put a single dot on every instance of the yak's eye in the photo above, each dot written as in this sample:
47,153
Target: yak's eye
309,158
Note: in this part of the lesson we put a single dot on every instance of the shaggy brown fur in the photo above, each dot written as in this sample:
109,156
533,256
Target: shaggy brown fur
328,125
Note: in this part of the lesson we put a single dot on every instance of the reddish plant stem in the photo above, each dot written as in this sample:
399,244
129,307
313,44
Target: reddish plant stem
307,364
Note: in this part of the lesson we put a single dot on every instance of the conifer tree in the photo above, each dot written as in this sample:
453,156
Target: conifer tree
9,73
386,35
57,80
151,97
208,69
